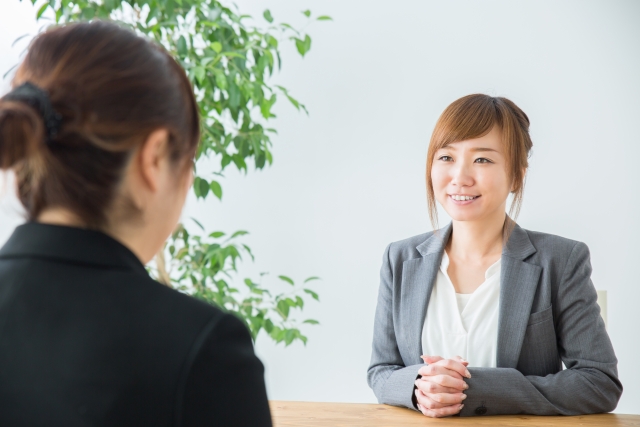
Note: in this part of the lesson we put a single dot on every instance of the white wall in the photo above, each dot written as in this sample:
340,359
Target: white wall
348,179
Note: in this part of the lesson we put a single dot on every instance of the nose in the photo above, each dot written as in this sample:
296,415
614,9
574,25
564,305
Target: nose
461,175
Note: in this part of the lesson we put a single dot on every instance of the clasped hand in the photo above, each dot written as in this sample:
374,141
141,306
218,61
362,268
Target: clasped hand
440,391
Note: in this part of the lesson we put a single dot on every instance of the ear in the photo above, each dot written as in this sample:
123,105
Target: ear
151,156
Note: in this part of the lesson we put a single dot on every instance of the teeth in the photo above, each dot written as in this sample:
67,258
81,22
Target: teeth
462,198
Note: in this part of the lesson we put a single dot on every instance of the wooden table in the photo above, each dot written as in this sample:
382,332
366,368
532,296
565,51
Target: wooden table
320,414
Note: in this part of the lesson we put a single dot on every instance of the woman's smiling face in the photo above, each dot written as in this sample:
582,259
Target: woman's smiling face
470,178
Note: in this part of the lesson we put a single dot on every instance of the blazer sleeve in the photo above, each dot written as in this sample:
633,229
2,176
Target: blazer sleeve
392,382
589,384
225,385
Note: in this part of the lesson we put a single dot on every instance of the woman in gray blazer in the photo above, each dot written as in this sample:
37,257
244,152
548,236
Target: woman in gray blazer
543,309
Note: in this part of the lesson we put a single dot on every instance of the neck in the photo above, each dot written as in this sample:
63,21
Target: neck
125,234
60,216
477,239
138,237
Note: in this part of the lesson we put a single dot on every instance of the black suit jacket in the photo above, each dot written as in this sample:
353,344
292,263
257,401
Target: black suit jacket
87,338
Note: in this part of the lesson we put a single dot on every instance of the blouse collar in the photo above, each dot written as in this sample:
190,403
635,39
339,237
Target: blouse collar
492,270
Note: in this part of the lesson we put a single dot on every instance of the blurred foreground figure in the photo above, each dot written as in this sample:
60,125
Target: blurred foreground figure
101,129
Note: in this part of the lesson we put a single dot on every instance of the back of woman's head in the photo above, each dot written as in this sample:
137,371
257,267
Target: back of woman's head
108,90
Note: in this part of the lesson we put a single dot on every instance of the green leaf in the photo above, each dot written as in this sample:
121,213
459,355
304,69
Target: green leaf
294,102
271,41
268,325
310,279
182,46
265,106
197,223
311,322
206,60
202,187
303,46
42,10
313,294
307,42
267,15
307,13
324,18
286,279
248,249
300,46
111,4
169,8
217,47
233,55
289,336
216,189
216,234
9,71
283,309
199,73
288,27
239,233
221,80
234,96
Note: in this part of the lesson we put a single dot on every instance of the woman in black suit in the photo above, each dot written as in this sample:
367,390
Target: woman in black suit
101,129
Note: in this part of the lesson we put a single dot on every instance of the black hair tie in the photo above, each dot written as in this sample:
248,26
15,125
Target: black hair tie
38,99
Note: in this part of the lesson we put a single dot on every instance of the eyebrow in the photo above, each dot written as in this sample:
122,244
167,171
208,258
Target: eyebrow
478,149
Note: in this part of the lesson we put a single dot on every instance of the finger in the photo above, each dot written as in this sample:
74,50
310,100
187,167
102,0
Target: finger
443,412
449,381
447,398
455,365
462,360
438,369
430,359
426,386
426,403
437,401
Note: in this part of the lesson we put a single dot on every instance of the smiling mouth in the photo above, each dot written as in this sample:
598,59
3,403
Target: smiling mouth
460,198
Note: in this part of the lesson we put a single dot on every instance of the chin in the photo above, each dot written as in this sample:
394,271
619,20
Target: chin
465,218
457,214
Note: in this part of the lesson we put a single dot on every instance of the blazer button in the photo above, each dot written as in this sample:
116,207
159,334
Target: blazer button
481,410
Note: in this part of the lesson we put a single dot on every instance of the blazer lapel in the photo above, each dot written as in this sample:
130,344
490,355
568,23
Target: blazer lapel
518,284
418,278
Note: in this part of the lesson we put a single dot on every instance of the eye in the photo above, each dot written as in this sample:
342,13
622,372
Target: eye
446,158
482,160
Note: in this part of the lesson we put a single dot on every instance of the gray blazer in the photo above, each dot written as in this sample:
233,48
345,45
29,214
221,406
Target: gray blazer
548,315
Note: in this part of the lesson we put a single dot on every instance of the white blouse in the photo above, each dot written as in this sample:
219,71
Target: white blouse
463,325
